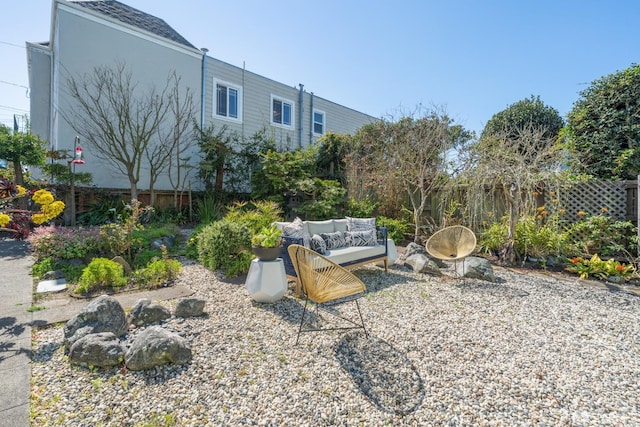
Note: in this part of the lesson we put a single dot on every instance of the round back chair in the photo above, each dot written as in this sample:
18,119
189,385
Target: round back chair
451,243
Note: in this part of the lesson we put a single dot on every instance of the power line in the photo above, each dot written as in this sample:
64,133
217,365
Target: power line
12,44
13,84
6,107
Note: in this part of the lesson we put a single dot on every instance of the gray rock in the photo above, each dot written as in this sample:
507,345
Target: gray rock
166,241
421,263
103,314
53,275
125,265
155,347
475,268
190,307
412,249
101,350
147,312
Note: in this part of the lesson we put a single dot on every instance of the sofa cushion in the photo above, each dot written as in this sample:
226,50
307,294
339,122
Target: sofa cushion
360,224
318,244
361,238
319,227
334,240
354,253
340,224
296,228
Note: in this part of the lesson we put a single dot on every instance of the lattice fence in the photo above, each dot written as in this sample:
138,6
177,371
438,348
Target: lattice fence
614,199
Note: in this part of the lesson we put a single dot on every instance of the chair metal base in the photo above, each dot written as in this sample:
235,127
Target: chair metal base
321,306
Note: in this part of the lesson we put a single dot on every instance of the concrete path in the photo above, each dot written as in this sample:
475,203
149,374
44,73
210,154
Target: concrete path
15,332
16,291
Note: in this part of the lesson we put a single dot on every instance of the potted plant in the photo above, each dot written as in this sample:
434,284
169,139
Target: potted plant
267,243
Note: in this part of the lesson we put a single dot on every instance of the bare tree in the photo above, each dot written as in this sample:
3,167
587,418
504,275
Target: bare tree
118,119
164,154
511,168
412,153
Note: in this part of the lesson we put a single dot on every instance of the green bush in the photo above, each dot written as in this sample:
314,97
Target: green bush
226,246
539,240
208,208
158,272
322,198
396,228
146,257
533,238
101,273
254,215
40,268
494,237
362,208
602,235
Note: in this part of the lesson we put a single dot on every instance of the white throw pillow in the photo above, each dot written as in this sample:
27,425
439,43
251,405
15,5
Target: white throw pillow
296,229
360,224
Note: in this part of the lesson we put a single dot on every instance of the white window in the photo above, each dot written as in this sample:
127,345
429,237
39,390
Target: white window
228,100
318,122
281,111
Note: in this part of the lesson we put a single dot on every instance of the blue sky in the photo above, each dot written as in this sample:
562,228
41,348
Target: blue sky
384,58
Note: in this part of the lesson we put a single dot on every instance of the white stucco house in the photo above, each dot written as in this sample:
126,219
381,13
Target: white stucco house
89,34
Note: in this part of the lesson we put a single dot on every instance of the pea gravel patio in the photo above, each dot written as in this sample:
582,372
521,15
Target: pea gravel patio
531,349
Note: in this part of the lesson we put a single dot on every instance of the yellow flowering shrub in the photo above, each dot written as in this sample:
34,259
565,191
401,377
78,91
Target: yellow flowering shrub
17,220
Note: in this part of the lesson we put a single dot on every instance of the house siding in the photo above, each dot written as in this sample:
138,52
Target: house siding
39,60
83,39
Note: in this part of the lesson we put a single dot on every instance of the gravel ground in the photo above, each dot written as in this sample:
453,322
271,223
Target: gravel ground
531,349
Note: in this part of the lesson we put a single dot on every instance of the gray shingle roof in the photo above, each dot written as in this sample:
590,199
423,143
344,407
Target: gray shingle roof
135,17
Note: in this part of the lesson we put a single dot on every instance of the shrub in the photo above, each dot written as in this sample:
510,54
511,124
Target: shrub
208,208
145,257
254,215
601,269
533,238
396,228
494,237
101,273
40,268
65,243
362,208
226,246
539,240
602,235
158,272
323,196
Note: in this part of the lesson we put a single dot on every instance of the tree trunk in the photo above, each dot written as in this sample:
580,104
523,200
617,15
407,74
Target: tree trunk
17,170
134,191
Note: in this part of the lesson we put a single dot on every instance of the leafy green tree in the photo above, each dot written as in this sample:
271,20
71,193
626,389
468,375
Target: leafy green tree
331,156
21,149
527,113
603,130
216,146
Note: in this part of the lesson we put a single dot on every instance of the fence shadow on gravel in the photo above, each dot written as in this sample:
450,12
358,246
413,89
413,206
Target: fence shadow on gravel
384,374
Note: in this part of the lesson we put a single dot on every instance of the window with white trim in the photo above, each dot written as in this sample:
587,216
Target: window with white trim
228,100
318,122
281,111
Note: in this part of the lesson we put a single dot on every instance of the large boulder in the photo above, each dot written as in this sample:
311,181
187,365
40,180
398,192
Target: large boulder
476,268
420,263
147,312
189,307
103,314
101,350
412,249
156,346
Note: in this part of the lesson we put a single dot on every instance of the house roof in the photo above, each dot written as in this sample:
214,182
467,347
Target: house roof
135,17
